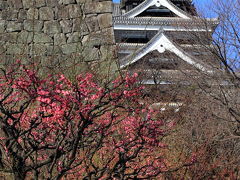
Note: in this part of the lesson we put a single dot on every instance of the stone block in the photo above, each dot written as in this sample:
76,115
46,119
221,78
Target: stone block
22,15
105,20
10,14
16,4
3,38
74,37
68,1
90,15
52,27
2,49
74,11
106,52
59,39
28,3
62,13
93,40
52,3
66,26
15,49
2,26
53,50
25,37
40,3
7,60
33,25
70,48
92,24
13,26
90,54
51,62
83,1
3,5
98,7
42,38
85,40
108,36
8,37
12,37
80,26
32,13
46,13
38,49
3,15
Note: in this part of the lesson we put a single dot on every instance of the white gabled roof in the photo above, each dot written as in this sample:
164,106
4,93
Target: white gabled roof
148,3
161,43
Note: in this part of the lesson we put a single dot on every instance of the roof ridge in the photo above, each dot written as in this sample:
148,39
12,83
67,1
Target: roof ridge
144,50
148,3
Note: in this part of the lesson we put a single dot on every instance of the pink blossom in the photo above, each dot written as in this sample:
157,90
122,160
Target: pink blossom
42,92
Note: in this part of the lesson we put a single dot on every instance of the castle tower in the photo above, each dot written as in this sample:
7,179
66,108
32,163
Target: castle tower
161,35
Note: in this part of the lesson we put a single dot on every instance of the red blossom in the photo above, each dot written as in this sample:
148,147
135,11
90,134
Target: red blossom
109,122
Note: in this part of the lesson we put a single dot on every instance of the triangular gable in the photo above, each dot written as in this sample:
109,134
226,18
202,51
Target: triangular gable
161,43
155,61
148,3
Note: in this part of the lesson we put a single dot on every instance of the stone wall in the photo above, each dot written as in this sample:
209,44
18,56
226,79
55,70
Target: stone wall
62,29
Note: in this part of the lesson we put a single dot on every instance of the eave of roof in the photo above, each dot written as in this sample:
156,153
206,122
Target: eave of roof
161,42
149,22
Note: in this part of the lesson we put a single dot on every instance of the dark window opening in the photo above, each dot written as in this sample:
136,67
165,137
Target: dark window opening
171,65
135,40
157,12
